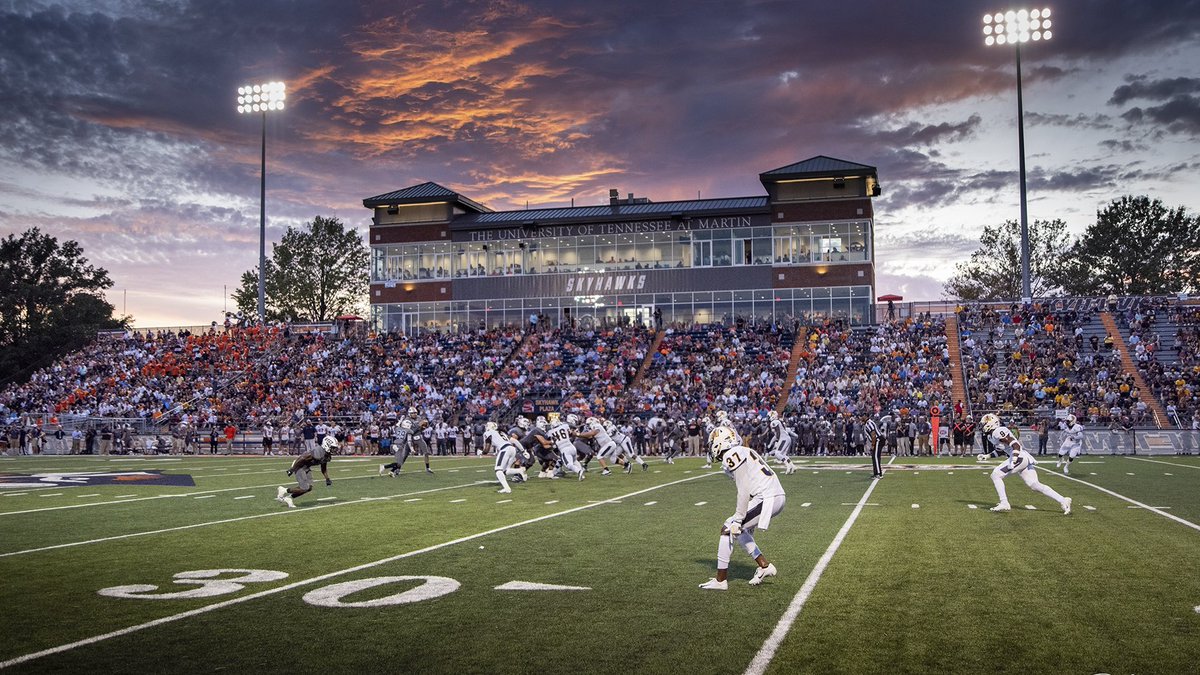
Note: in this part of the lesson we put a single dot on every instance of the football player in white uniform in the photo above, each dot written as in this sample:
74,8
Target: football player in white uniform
506,455
1072,443
760,497
560,436
780,444
607,451
621,436
1019,462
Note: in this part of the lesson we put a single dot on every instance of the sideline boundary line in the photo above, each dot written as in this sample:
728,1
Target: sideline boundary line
307,509
1159,461
324,577
172,496
1135,502
758,665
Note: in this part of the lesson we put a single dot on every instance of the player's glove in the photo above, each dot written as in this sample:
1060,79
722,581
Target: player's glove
981,457
735,528
328,482
289,472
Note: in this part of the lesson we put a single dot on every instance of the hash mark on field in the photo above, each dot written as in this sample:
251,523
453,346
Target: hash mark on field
552,501
1153,507
1090,508
806,505
1128,473
972,506
478,470
452,471
1168,474
456,501
205,496
649,504
701,503
916,506
657,471
250,497
322,499
123,496
1094,473
414,499
504,501
1031,507
52,494
687,471
95,494
16,494
345,469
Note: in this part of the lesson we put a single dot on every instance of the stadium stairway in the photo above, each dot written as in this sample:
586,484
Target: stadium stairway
793,366
958,391
641,373
1130,368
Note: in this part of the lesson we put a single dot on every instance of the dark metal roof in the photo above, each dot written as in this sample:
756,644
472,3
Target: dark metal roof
690,207
422,193
817,167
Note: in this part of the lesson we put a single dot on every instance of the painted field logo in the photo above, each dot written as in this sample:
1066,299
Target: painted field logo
14,481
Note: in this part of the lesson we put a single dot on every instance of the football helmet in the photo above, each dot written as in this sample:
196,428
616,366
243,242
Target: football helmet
722,417
412,412
524,424
572,420
490,426
593,421
773,415
406,425
540,422
1071,420
553,417
990,422
720,441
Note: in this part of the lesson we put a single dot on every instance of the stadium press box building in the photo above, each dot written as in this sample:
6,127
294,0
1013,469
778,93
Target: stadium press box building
440,261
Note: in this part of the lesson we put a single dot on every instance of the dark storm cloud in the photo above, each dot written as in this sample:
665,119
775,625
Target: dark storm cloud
1079,120
930,134
1178,115
1140,87
1122,145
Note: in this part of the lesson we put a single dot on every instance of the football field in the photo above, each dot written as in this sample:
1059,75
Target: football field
439,573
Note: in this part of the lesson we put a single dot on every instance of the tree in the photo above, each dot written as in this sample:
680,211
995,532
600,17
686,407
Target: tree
994,270
314,274
51,302
1137,246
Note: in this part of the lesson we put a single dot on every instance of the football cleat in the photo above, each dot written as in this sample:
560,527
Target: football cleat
1066,506
328,482
382,469
606,472
289,502
581,473
505,491
279,493
645,467
428,470
1066,469
762,573
1001,508
714,585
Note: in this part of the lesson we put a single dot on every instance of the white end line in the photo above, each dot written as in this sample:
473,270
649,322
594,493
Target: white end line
1159,461
763,658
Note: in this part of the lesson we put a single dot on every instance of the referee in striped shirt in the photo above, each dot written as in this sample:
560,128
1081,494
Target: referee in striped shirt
877,437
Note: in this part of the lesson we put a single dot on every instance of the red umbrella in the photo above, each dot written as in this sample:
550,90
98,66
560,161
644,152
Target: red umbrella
890,297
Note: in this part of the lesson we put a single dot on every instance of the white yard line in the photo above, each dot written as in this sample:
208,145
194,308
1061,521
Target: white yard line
1159,461
238,519
324,577
1135,502
763,658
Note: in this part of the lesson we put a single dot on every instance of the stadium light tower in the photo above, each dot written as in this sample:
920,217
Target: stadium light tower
1015,27
261,98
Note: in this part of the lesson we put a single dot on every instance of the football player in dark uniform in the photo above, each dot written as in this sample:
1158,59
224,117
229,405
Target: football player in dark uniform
401,443
419,444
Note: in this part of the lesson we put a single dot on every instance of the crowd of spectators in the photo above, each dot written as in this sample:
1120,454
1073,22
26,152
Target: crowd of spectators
1171,371
698,370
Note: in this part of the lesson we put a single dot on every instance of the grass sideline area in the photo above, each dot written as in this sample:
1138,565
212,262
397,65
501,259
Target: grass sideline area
926,579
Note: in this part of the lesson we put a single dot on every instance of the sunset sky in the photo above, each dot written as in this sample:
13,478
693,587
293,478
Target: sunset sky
120,130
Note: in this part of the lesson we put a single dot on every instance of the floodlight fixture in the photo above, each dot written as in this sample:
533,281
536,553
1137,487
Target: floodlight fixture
1015,27
262,98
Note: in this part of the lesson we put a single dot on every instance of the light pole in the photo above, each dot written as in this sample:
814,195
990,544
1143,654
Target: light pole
261,98
1015,27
